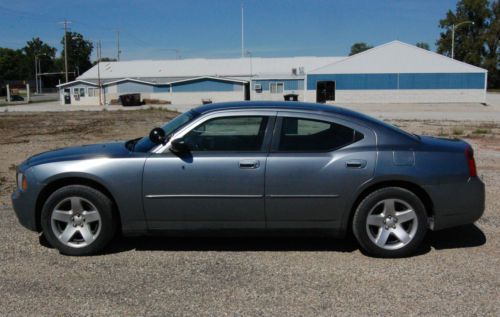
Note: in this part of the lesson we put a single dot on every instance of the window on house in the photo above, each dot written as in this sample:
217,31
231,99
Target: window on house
276,88
93,92
80,92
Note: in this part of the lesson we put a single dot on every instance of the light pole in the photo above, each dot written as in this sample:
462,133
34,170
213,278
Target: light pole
250,55
453,28
38,71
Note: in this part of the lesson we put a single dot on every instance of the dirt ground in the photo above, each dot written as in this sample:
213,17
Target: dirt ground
456,272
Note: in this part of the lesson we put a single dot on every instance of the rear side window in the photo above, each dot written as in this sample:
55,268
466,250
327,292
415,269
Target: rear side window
236,134
307,135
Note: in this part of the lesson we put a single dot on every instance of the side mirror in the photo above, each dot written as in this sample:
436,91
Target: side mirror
157,136
179,146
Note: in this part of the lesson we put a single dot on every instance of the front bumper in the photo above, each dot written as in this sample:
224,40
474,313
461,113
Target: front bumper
25,208
458,203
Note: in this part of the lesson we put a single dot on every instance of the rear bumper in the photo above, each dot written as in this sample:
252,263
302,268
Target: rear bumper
457,204
24,207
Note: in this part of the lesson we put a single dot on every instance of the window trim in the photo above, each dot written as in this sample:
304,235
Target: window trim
277,83
277,135
94,89
266,143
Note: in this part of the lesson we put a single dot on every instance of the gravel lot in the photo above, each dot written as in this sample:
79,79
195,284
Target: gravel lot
455,273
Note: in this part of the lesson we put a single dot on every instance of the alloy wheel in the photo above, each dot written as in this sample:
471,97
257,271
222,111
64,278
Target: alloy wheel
76,222
392,224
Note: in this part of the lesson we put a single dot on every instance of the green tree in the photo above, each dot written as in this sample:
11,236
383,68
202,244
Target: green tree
44,52
475,44
492,47
13,65
359,47
79,53
468,38
105,59
424,45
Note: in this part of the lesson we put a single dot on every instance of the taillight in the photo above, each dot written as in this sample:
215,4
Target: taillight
469,156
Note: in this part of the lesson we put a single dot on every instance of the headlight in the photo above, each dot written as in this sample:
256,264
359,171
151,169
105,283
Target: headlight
22,182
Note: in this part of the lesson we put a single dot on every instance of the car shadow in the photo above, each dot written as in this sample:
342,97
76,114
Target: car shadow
232,244
459,237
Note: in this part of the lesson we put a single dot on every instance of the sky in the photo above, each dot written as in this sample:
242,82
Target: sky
212,28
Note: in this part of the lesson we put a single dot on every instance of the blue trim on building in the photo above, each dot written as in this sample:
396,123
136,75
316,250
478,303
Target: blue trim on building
401,81
161,88
79,85
290,84
206,85
133,87
442,81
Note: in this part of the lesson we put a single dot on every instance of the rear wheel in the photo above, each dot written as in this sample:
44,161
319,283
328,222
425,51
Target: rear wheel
390,222
78,220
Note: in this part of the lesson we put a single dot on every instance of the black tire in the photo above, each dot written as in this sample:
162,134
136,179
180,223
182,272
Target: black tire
107,223
365,234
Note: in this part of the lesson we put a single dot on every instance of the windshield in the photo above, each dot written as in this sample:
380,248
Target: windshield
144,144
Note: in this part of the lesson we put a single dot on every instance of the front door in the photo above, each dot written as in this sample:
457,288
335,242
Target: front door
314,166
67,96
325,91
218,184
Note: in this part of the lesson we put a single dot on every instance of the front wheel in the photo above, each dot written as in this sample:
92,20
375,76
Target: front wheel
78,220
390,222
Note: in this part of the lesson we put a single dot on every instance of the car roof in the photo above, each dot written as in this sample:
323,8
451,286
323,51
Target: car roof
278,105
312,107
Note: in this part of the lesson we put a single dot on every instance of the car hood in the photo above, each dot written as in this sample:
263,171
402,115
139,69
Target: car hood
114,149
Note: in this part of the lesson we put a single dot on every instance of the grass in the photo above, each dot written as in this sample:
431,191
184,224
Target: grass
458,131
481,131
442,133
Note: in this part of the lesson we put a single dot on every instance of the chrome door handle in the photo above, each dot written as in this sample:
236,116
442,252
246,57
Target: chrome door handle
247,164
355,164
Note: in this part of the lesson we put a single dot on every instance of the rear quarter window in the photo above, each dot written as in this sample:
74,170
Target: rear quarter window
309,135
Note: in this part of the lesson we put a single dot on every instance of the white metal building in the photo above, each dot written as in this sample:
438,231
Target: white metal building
393,72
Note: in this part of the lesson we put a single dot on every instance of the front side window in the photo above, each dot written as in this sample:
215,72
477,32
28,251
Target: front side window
308,135
235,134
276,88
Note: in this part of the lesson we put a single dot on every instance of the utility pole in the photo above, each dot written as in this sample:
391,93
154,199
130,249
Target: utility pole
242,33
40,75
36,74
118,45
65,23
98,51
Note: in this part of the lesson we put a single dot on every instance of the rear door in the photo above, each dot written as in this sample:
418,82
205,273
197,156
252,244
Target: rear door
315,164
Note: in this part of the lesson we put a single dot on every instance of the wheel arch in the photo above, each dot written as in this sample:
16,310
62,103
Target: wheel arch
67,181
408,185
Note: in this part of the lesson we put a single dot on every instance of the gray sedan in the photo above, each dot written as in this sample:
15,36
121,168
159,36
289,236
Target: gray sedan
259,167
